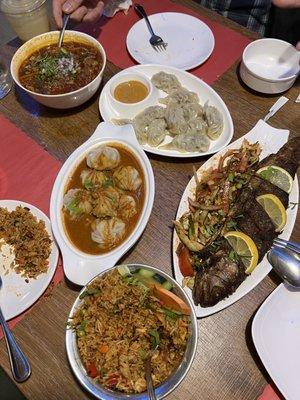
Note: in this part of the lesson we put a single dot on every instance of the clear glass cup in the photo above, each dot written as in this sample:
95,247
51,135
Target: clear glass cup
5,78
28,18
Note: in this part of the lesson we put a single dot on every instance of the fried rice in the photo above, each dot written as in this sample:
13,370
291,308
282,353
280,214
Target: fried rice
29,238
117,324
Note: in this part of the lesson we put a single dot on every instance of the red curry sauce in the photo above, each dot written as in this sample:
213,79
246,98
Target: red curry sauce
53,70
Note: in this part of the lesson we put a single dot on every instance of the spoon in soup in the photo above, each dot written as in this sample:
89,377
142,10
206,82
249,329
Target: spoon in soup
62,32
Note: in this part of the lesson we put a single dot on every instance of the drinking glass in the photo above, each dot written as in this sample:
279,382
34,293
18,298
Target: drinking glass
5,79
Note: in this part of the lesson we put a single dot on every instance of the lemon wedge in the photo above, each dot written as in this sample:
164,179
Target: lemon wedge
244,247
277,176
274,208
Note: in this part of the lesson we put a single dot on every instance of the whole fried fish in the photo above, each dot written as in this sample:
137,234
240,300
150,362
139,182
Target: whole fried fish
220,275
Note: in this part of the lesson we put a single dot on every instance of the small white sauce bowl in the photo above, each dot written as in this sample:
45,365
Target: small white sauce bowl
129,110
270,65
64,100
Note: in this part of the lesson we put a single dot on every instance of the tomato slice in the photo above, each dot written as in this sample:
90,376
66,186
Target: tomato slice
92,370
185,264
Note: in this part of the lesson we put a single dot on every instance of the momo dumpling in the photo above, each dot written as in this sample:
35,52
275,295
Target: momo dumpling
197,125
214,121
105,202
165,82
77,202
108,232
189,143
142,121
180,96
91,178
127,178
192,110
157,131
127,207
176,123
103,158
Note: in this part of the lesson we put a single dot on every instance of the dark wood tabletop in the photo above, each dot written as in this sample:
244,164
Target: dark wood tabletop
226,366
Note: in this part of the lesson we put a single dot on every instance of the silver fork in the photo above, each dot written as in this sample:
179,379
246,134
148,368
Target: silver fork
19,364
156,41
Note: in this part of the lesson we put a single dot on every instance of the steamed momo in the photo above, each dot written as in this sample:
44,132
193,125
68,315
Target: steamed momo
105,202
91,178
103,158
77,202
108,232
214,121
166,82
127,178
180,96
157,131
189,143
127,206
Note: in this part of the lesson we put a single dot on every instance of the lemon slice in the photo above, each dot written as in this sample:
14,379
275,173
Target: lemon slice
274,208
244,247
277,176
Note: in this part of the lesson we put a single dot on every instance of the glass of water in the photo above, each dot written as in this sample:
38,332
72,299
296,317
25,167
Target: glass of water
5,78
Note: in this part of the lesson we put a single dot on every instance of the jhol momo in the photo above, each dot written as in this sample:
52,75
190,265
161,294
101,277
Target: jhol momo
103,199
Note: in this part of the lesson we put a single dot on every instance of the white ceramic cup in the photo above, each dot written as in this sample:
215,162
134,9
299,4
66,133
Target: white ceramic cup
129,110
270,65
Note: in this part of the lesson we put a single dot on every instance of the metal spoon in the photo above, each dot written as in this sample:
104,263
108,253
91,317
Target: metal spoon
286,263
19,364
62,32
148,370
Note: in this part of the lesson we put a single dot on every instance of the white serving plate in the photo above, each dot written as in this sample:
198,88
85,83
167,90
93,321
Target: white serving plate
276,333
81,267
271,140
190,41
16,294
189,81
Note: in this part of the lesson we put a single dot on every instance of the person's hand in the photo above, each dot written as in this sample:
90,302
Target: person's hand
79,10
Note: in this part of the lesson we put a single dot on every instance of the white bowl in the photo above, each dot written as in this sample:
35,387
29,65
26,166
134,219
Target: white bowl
65,100
80,267
270,65
165,387
130,109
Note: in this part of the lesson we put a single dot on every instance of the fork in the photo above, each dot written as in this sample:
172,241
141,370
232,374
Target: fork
19,364
286,244
156,41
148,371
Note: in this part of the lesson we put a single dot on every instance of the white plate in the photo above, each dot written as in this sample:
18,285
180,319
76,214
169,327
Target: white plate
81,267
16,295
271,140
190,41
276,333
189,81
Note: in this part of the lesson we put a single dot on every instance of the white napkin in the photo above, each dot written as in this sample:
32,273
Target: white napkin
113,6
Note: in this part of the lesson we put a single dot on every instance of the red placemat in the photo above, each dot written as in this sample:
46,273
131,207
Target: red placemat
270,393
112,32
27,173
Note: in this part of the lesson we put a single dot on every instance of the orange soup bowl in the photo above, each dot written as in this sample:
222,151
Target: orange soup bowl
65,100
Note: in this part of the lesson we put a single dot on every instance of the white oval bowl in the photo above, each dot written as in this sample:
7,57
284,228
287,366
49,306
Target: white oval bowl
80,267
163,389
270,65
65,100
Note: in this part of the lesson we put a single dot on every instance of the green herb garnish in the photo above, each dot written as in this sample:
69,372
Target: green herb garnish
154,337
89,292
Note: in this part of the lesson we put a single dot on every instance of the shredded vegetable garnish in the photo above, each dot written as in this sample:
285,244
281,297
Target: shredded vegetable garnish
215,194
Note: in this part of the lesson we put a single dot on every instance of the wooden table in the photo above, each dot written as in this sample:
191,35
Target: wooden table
226,366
